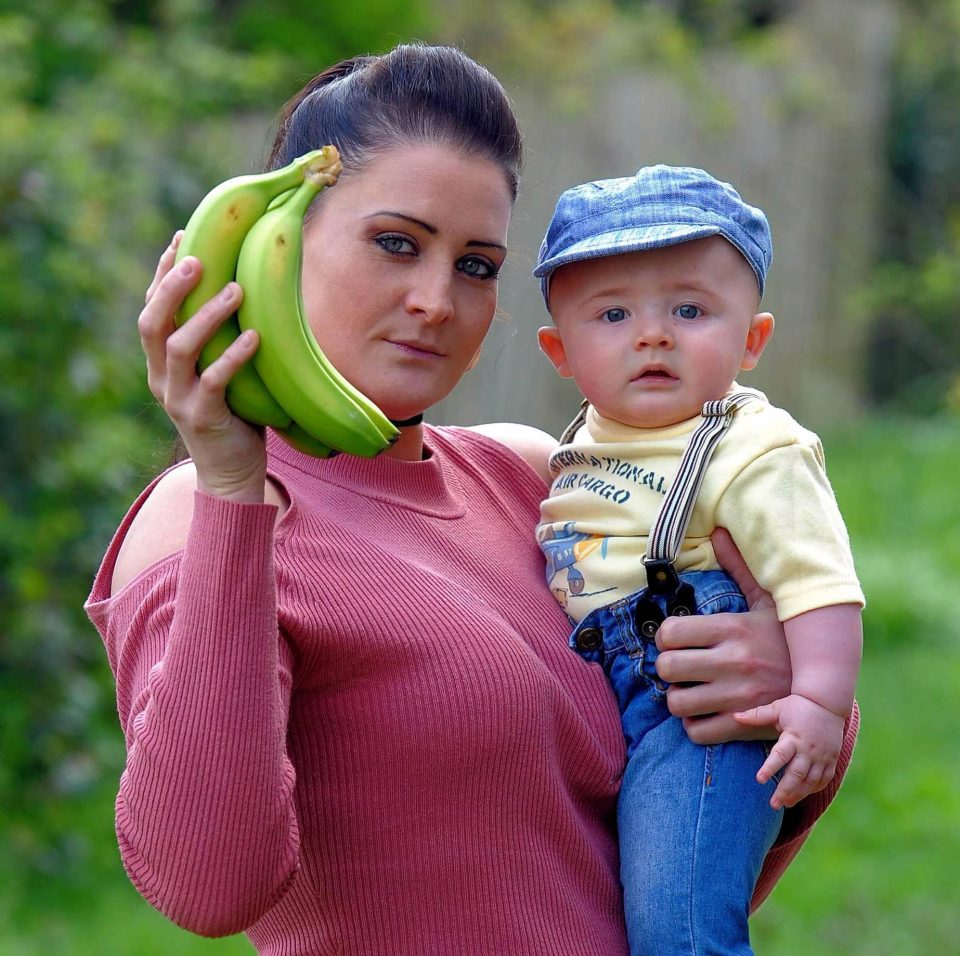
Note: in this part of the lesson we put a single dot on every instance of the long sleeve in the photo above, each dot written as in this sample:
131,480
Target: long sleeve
204,814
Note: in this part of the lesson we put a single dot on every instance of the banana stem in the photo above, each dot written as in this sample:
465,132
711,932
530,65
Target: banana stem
326,168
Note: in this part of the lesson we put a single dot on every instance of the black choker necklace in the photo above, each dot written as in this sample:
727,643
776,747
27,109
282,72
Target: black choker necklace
407,422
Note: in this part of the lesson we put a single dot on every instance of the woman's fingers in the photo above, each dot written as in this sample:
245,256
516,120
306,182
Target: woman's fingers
737,661
229,454
172,352
693,648
700,699
709,708
692,631
156,324
183,345
165,264
720,729
213,381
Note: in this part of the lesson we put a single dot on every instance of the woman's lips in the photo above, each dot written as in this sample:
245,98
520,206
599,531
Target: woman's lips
416,348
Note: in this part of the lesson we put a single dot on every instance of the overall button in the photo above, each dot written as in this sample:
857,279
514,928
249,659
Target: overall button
647,618
649,629
589,639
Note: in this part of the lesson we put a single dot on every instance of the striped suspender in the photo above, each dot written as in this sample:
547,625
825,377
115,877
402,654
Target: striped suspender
574,426
670,525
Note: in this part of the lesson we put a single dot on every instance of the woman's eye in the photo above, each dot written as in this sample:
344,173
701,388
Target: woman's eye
398,245
688,311
615,315
477,268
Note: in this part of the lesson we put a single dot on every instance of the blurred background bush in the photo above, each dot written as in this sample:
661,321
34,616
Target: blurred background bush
839,118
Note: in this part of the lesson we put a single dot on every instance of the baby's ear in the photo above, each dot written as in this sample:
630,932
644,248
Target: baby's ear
761,330
552,346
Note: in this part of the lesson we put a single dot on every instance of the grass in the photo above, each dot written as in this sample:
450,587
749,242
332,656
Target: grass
114,921
76,900
877,877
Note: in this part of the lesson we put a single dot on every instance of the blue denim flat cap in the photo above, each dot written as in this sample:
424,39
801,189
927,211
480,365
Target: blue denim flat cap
660,206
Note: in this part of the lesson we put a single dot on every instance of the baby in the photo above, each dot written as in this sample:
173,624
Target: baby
653,283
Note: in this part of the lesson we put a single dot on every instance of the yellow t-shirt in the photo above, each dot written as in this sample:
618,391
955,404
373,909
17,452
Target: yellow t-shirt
765,484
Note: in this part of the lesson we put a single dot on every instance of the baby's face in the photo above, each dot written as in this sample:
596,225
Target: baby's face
650,336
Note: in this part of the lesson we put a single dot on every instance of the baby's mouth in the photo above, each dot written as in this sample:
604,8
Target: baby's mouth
656,373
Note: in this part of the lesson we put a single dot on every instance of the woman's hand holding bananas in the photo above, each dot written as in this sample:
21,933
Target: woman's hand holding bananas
199,361
228,453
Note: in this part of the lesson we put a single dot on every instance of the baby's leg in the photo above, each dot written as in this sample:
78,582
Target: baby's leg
695,827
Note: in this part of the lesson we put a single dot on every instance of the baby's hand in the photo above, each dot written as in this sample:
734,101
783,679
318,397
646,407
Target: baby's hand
809,745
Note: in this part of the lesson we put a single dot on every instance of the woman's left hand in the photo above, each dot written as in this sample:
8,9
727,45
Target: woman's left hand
720,663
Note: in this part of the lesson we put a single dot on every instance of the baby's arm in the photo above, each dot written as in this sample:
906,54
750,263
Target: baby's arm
825,646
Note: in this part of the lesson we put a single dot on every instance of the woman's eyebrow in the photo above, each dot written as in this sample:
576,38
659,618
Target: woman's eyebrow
431,229
402,215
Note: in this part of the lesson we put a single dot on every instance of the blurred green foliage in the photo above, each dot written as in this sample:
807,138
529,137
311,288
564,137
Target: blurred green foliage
597,37
910,302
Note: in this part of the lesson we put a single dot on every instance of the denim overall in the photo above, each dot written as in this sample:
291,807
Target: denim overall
694,824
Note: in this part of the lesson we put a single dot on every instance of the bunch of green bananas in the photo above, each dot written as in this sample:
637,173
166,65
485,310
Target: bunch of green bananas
250,228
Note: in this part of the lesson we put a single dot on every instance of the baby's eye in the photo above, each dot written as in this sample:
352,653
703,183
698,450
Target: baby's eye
688,311
615,315
397,245
477,267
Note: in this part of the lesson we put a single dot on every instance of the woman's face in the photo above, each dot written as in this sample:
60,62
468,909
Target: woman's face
400,272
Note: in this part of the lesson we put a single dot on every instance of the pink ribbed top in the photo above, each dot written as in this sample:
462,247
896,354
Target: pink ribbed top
413,762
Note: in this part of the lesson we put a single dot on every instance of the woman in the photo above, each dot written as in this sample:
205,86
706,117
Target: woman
352,721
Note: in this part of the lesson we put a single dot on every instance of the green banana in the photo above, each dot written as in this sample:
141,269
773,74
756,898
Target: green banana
349,393
289,361
214,235
297,438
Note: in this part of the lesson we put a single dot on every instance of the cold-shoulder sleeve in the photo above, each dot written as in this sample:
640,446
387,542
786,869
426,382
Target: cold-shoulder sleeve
204,814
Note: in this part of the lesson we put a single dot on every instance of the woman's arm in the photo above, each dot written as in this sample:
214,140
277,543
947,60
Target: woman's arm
161,525
205,817
186,604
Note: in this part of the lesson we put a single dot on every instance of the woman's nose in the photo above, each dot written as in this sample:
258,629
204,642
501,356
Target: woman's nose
431,297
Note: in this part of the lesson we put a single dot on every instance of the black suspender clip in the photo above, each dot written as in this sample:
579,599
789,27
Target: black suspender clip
662,579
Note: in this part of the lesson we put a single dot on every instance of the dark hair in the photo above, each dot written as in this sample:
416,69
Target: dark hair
416,93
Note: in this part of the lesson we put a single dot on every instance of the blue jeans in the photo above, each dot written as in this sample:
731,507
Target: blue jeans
694,823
